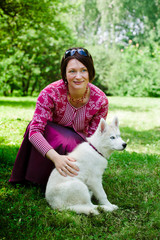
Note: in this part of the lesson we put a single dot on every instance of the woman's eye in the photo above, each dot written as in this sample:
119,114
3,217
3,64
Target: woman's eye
112,137
84,70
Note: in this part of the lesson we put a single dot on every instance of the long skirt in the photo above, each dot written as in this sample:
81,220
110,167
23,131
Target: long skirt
30,165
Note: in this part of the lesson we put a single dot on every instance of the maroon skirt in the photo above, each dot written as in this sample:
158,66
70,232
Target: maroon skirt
30,165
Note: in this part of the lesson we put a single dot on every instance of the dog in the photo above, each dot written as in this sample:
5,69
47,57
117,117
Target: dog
73,193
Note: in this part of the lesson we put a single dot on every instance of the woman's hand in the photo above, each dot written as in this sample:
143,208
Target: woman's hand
63,163
65,166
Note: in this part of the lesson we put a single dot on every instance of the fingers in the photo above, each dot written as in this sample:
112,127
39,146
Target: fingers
71,159
72,165
68,168
67,171
72,170
61,172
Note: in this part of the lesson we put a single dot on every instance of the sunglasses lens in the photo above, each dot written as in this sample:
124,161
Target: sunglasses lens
67,53
82,52
73,52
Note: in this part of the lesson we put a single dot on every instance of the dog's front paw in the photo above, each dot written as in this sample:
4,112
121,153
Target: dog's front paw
115,207
109,208
94,212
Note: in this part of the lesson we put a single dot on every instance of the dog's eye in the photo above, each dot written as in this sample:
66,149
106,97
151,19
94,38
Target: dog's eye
112,137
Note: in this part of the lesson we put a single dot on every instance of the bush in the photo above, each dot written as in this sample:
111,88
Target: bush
129,71
104,60
136,72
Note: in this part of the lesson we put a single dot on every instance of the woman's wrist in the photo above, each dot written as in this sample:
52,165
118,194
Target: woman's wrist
52,155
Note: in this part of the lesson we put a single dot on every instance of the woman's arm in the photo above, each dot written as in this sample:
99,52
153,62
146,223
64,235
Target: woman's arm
43,113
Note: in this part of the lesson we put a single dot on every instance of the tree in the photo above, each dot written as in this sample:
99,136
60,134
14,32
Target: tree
33,36
115,22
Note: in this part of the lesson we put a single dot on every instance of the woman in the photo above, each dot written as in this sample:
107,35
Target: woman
67,111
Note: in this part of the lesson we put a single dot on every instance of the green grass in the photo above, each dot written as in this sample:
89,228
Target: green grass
132,180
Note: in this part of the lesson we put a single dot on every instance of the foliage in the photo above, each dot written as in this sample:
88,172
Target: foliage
124,42
136,72
31,44
131,180
104,59
34,35
111,22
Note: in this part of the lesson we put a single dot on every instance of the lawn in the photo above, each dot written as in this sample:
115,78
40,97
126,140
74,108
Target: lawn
132,180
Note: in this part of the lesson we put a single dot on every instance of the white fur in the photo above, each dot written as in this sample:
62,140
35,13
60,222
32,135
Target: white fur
73,192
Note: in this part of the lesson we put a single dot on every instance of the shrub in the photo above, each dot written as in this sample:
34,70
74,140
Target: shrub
136,72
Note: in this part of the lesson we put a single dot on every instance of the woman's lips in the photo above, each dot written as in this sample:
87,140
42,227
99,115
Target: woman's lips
78,82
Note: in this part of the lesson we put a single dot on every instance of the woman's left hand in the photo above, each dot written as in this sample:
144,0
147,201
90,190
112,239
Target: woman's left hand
67,166
63,163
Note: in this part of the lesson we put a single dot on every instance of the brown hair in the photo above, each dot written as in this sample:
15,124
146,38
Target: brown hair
85,60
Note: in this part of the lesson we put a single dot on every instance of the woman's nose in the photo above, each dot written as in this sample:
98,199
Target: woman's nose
78,75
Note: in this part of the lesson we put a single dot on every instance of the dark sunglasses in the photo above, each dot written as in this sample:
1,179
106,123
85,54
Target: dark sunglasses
81,51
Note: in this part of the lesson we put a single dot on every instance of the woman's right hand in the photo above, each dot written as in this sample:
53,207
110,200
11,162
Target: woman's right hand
63,163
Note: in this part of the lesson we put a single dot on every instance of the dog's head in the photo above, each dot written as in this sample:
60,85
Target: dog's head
107,137
111,134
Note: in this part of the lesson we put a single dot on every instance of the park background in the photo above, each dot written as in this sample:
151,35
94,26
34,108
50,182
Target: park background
124,39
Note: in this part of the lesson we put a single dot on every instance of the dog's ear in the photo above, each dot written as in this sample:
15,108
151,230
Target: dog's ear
103,125
115,121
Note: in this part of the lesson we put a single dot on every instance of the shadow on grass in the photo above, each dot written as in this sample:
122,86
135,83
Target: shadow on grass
8,154
25,103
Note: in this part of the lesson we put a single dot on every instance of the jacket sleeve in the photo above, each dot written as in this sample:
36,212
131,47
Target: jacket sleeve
43,113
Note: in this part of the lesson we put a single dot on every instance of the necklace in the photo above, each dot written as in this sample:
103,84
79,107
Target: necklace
78,100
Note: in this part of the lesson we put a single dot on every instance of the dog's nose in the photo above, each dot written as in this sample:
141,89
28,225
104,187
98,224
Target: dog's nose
124,145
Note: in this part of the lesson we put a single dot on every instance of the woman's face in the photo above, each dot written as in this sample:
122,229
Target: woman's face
77,74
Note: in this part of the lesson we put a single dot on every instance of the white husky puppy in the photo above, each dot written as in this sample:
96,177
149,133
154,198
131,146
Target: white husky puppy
74,192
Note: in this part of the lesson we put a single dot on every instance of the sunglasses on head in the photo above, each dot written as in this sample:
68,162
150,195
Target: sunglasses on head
81,51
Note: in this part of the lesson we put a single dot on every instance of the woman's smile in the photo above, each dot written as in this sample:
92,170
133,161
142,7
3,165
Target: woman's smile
78,82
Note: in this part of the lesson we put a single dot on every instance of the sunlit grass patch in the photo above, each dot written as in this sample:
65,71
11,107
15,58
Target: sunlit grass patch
131,180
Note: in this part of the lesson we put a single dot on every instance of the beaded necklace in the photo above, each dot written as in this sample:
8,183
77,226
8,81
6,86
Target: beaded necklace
79,100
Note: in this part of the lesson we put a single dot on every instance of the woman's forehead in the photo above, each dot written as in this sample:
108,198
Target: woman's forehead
74,63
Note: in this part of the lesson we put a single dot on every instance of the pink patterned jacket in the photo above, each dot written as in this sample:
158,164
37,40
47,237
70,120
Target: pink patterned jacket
53,105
